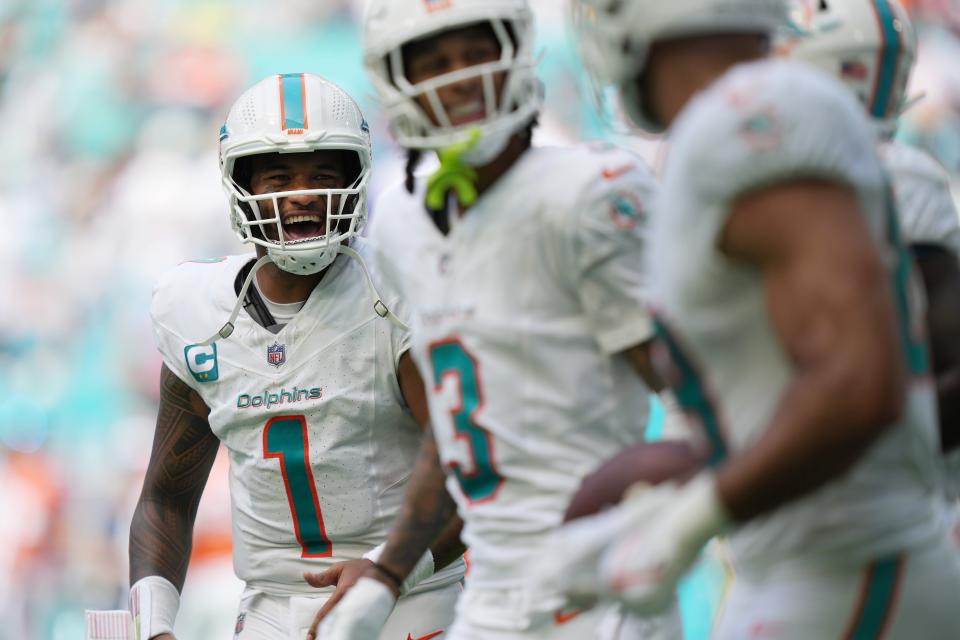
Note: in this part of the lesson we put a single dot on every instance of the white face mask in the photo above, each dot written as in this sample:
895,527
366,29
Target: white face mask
520,99
310,255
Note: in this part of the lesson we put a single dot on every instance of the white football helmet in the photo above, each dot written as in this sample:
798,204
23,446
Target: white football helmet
614,37
295,113
870,45
390,24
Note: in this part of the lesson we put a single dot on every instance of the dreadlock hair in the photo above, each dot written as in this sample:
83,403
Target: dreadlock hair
413,159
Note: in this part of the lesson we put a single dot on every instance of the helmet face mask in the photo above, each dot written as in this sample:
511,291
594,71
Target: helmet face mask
394,28
296,114
488,72
870,45
257,215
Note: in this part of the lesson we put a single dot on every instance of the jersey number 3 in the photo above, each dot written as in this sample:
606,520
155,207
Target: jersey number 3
478,479
285,438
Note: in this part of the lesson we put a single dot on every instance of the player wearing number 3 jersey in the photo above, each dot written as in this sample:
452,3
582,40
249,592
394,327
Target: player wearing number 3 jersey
311,391
522,269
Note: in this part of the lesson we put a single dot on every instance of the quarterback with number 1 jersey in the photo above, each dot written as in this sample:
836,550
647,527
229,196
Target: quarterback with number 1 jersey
308,385
319,440
519,316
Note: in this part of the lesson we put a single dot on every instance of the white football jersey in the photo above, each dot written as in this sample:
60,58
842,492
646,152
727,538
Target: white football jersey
763,123
928,215
520,315
319,439
927,211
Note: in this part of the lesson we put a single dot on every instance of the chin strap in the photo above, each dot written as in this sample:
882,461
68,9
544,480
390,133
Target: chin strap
227,329
454,174
379,307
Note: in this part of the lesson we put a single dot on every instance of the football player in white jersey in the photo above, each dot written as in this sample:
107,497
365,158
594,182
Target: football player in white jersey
310,390
790,333
871,46
524,275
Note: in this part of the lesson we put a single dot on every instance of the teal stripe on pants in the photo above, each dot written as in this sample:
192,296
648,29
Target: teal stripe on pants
878,599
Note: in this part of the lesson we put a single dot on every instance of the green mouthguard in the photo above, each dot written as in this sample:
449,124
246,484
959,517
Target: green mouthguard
454,174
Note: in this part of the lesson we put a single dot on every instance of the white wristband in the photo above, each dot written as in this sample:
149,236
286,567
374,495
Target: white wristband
362,613
420,572
154,603
698,513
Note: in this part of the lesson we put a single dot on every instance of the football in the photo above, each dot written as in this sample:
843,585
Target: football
650,462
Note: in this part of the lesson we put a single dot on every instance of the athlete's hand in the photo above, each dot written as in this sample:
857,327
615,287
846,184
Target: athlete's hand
569,561
343,575
362,613
642,568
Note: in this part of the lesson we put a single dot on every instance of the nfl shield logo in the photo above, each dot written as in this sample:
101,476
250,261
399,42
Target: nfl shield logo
437,5
276,354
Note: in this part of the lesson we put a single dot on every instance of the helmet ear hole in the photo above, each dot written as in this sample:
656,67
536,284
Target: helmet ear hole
352,167
243,172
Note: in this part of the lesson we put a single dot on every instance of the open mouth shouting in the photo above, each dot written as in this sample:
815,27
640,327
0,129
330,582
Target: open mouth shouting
303,225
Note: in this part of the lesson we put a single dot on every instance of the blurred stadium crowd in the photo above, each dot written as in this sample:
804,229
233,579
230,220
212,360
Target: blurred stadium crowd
109,111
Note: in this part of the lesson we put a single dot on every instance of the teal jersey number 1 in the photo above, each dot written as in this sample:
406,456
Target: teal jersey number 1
482,482
285,438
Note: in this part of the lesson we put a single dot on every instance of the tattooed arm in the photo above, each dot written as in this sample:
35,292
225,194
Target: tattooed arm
184,448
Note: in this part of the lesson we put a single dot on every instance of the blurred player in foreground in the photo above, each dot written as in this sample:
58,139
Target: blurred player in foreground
786,312
871,46
522,269
313,393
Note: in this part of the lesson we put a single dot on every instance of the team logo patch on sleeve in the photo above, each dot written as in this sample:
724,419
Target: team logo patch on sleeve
202,361
626,210
762,130
276,354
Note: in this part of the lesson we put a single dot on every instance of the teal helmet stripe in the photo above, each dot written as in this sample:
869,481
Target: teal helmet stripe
292,101
889,59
